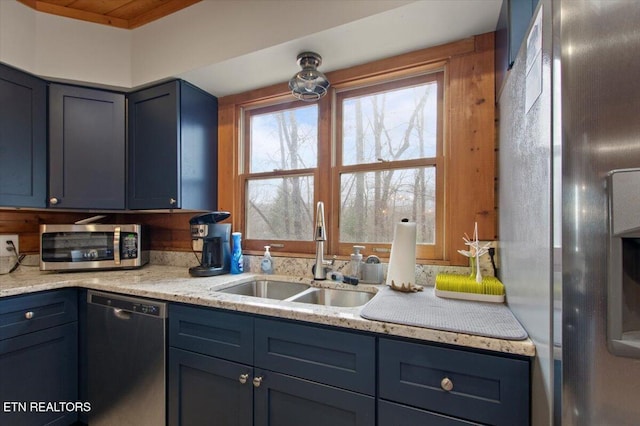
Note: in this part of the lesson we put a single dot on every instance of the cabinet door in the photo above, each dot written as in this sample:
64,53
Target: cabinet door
204,390
23,139
154,151
39,367
391,414
86,148
282,400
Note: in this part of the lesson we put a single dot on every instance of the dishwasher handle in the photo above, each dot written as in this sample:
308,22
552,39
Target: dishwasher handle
121,314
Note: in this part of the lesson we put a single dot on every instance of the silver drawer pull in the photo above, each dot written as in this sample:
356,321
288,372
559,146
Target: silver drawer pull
243,378
257,381
28,315
446,384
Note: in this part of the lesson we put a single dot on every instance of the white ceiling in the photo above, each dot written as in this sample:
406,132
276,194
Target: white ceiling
412,26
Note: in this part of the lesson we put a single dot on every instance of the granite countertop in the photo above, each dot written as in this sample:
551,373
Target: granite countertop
174,284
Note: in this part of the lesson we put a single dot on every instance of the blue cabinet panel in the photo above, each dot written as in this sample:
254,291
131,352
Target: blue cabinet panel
37,311
206,391
173,148
23,139
392,414
339,358
281,400
86,148
40,366
212,332
478,387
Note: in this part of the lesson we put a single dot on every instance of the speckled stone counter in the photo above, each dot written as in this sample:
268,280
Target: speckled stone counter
171,283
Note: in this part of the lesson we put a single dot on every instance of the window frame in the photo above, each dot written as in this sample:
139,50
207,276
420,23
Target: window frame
244,175
470,137
423,251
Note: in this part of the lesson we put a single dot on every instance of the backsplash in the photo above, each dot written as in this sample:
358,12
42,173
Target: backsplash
294,266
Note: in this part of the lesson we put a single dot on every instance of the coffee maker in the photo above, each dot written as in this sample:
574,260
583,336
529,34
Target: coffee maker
211,240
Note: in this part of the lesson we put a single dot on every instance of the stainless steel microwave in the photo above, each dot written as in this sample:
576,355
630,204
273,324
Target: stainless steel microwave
92,246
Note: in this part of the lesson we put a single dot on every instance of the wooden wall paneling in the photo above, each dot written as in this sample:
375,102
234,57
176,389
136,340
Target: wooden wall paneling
228,147
470,176
26,224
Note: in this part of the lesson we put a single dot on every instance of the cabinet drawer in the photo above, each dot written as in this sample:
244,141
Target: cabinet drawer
211,332
33,312
392,414
484,388
338,358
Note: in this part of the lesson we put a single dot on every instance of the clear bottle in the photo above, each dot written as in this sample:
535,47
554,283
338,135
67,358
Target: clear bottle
266,266
237,260
356,261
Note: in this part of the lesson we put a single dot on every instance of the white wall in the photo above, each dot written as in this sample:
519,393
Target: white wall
226,29
62,48
206,33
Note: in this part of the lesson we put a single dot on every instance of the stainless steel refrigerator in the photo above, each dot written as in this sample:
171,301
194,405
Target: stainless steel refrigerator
569,208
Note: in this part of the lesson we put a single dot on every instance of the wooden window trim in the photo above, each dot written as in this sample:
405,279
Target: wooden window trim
469,134
432,252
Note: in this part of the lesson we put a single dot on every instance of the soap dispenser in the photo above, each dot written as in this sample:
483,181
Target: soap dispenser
356,261
266,266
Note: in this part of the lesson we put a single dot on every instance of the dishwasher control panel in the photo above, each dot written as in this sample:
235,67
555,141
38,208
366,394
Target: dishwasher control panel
129,304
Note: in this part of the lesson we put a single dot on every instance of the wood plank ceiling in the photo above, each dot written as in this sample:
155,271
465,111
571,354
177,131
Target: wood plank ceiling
126,14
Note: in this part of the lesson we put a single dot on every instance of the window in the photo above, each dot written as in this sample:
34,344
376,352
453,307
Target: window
389,163
281,160
387,166
408,136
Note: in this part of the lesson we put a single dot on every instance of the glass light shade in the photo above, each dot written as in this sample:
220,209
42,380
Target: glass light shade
309,84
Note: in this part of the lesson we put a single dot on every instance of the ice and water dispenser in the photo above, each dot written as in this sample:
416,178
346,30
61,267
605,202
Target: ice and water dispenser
623,304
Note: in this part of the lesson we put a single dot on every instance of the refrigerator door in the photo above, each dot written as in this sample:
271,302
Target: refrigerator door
600,101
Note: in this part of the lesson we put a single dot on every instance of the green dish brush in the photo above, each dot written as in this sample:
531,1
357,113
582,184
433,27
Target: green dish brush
465,287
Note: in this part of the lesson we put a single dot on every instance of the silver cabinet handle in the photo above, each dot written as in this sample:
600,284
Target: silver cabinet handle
243,378
28,315
172,201
53,201
446,384
257,381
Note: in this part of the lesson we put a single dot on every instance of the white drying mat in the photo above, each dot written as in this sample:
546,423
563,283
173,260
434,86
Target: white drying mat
424,309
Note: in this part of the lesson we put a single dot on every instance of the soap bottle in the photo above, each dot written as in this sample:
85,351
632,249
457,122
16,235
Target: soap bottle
266,266
356,261
237,261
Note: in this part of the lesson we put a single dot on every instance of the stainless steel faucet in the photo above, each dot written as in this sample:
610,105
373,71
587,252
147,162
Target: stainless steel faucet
320,236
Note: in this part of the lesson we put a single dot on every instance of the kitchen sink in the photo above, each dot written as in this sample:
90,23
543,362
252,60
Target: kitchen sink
268,289
333,297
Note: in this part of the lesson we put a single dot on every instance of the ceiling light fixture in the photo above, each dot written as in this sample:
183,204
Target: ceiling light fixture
309,84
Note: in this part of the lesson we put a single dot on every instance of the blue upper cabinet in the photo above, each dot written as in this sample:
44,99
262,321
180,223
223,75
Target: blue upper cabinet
86,148
23,139
173,148
513,22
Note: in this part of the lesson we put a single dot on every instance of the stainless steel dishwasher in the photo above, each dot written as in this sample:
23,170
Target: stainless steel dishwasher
125,360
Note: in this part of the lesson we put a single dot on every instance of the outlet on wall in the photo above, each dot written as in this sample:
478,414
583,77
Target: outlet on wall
6,249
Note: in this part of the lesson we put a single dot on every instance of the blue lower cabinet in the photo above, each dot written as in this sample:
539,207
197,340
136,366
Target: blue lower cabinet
205,390
392,414
472,386
39,377
282,400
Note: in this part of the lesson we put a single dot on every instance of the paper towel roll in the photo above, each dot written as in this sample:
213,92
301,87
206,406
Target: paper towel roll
402,261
